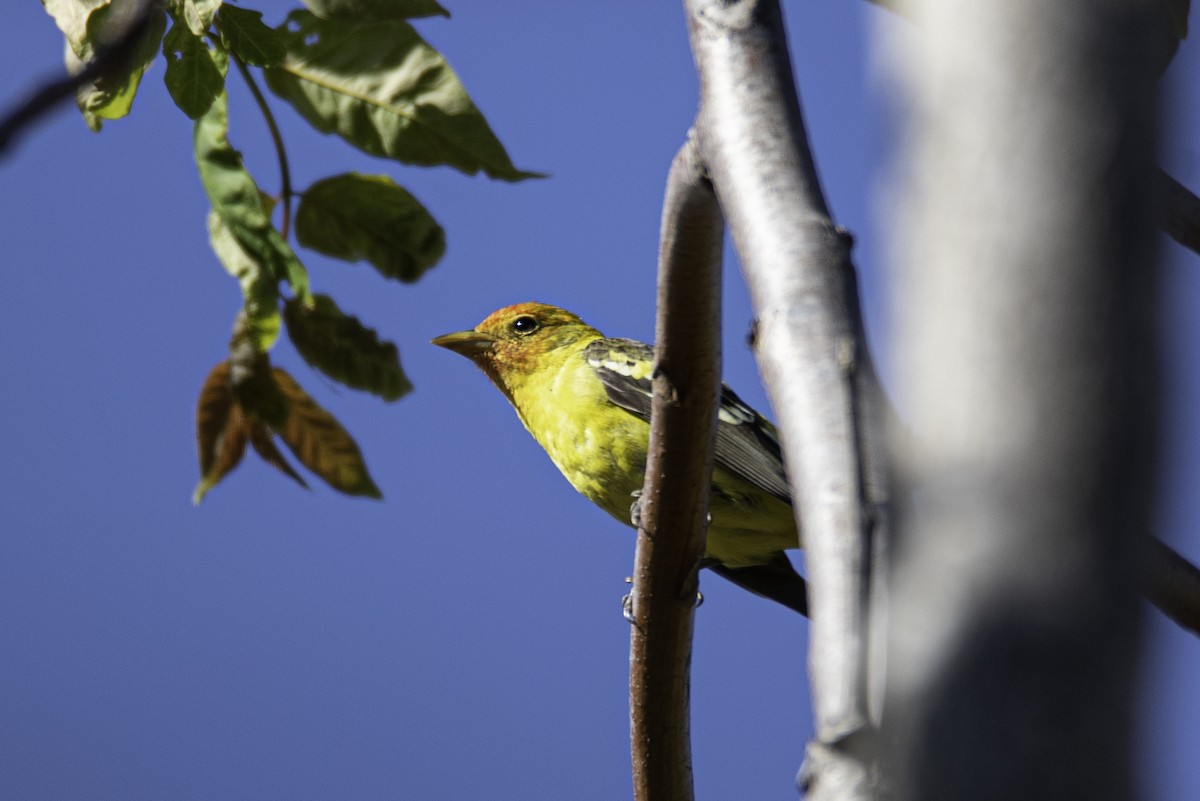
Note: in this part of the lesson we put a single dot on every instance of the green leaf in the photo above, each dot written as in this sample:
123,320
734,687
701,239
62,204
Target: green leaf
98,104
345,349
71,17
320,442
355,217
198,14
236,199
284,259
110,95
248,38
375,10
384,90
193,77
259,286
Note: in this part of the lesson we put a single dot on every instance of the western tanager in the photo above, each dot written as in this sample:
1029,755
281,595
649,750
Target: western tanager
586,400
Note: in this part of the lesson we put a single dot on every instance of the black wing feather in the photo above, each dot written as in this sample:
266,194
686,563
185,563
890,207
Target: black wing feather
615,361
746,444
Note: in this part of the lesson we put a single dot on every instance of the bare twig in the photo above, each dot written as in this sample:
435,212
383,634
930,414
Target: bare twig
812,355
1181,212
674,501
285,172
110,58
1171,586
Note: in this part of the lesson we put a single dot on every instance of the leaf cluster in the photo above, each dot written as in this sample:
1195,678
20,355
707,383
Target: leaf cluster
355,68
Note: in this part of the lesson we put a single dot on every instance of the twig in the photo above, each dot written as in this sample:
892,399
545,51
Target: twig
1180,212
285,173
674,499
1172,584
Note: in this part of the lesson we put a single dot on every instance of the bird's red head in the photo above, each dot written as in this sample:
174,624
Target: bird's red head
514,339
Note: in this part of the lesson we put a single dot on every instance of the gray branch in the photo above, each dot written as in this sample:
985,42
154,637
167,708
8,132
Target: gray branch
812,354
674,501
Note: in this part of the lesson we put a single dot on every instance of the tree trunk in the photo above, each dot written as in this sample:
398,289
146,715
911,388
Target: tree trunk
1025,303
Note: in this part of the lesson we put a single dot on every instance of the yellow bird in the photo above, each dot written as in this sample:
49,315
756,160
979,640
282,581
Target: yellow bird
586,399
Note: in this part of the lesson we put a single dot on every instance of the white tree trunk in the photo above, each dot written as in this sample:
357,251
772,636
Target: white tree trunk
1025,300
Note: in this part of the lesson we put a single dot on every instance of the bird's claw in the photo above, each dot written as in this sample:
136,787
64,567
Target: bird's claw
635,510
627,602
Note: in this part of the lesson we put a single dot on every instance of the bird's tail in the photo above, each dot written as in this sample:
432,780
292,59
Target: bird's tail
776,579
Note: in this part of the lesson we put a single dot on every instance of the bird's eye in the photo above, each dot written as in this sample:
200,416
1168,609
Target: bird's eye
525,324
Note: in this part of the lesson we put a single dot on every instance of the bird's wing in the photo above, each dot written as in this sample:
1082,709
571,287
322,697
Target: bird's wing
746,443
747,446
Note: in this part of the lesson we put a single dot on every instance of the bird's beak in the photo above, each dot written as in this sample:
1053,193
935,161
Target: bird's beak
471,344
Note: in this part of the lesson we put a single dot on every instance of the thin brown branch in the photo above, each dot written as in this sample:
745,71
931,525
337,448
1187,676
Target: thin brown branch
108,59
812,355
285,172
674,501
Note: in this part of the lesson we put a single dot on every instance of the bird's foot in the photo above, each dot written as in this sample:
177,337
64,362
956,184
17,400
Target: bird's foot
635,509
627,602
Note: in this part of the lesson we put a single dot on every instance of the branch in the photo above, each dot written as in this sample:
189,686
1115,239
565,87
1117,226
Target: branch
812,354
108,59
1172,586
1181,212
674,500
285,172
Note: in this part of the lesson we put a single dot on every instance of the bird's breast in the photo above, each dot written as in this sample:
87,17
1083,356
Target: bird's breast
599,447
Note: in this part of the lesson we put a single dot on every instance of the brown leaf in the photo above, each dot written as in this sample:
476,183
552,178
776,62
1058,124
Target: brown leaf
233,443
250,376
264,446
221,430
320,443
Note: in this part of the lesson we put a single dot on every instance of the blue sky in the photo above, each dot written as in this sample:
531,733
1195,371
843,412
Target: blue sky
463,637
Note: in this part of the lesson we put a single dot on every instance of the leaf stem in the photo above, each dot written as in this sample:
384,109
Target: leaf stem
280,151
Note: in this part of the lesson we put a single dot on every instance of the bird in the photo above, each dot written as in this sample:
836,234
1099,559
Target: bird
586,399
